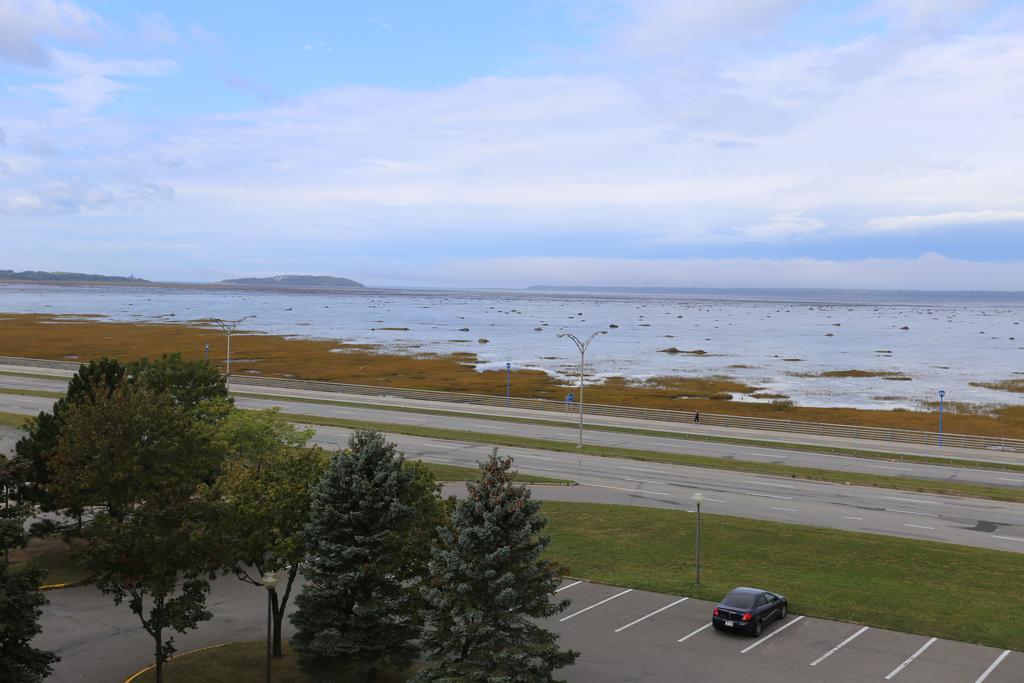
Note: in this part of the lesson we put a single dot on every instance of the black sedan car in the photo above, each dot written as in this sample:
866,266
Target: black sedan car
749,610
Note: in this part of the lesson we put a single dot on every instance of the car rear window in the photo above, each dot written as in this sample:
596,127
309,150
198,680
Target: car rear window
740,599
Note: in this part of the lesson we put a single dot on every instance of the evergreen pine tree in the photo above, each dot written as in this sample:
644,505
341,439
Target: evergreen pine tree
487,585
355,608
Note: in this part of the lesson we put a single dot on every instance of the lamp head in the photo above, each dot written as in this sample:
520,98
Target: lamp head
942,393
698,498
269,580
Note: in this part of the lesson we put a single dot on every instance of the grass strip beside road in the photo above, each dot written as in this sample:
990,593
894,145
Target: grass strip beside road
233,662
880,581
454,473
890,456
31,392
949,488
16,420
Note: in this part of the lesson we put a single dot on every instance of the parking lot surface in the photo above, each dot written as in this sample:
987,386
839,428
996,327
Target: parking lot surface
634,635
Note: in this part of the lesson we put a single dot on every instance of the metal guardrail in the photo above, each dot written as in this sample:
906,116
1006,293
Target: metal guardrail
547,405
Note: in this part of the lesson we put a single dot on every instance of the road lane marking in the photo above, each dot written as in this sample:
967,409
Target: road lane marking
768,495
641,469
838,647
885,467
859,519
633,623
911,512
992,667
785,509
690,635
596,604
715,500
768,483
918,526
909,659
914,500
574,583
1008,538
1015,481
620,488
769,636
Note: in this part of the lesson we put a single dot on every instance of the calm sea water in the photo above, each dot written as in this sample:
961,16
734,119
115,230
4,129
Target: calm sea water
781,340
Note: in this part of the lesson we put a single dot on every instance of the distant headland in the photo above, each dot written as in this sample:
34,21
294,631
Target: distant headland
59,276
295,281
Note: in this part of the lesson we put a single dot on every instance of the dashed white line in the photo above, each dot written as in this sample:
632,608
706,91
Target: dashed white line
769,483
690,635
620,488
885,467
768,495
859,519
918,526
784,509
596,604
770,635
715,500
838,647
574,583
1009,538
633,623
1015,481
911,512
910,659
914,500
992,667
640,469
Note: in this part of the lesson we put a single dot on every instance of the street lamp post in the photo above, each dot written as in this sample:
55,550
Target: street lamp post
206,353
269,581
582,346
508,385
942,395
698,498
229,326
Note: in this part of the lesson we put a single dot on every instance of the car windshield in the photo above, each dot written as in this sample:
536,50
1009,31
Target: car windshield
741,599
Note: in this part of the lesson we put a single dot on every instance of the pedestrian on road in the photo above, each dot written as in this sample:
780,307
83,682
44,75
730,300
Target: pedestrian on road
696,417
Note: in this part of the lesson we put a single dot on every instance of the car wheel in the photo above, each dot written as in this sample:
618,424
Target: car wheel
782,611
717,627
758,626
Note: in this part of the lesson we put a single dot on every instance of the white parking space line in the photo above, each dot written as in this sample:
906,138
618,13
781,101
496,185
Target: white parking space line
691,635
621,488
596,604
574,583
770,635
657,611
768,495
911,658
838,647
1009,538
784,509
769,483
914,500
918,526
884,467
911,512
859,519
992,667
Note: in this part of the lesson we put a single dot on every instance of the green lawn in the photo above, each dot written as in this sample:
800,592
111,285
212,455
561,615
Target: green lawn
456,473
943,487
933,589
243,662
52,554
12,420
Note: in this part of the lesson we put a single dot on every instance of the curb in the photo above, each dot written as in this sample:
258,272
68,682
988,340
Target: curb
183,654
58,586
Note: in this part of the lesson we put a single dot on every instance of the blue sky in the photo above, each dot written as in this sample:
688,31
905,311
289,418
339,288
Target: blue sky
626,142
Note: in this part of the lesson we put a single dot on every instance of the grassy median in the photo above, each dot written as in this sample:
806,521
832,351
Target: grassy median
869,579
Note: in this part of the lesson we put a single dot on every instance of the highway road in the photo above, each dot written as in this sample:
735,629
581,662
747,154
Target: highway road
965,521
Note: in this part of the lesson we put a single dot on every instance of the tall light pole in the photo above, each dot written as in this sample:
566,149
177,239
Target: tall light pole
269,581
582,346
698,498
942,395
508,385
206,353
229,326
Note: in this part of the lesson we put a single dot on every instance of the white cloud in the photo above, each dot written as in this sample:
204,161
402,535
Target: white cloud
84,84
25,26
943,220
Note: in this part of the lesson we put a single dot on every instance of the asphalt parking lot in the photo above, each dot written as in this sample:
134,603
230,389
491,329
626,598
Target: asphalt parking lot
633,635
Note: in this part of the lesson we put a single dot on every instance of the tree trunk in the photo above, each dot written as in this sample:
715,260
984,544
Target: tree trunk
159,658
